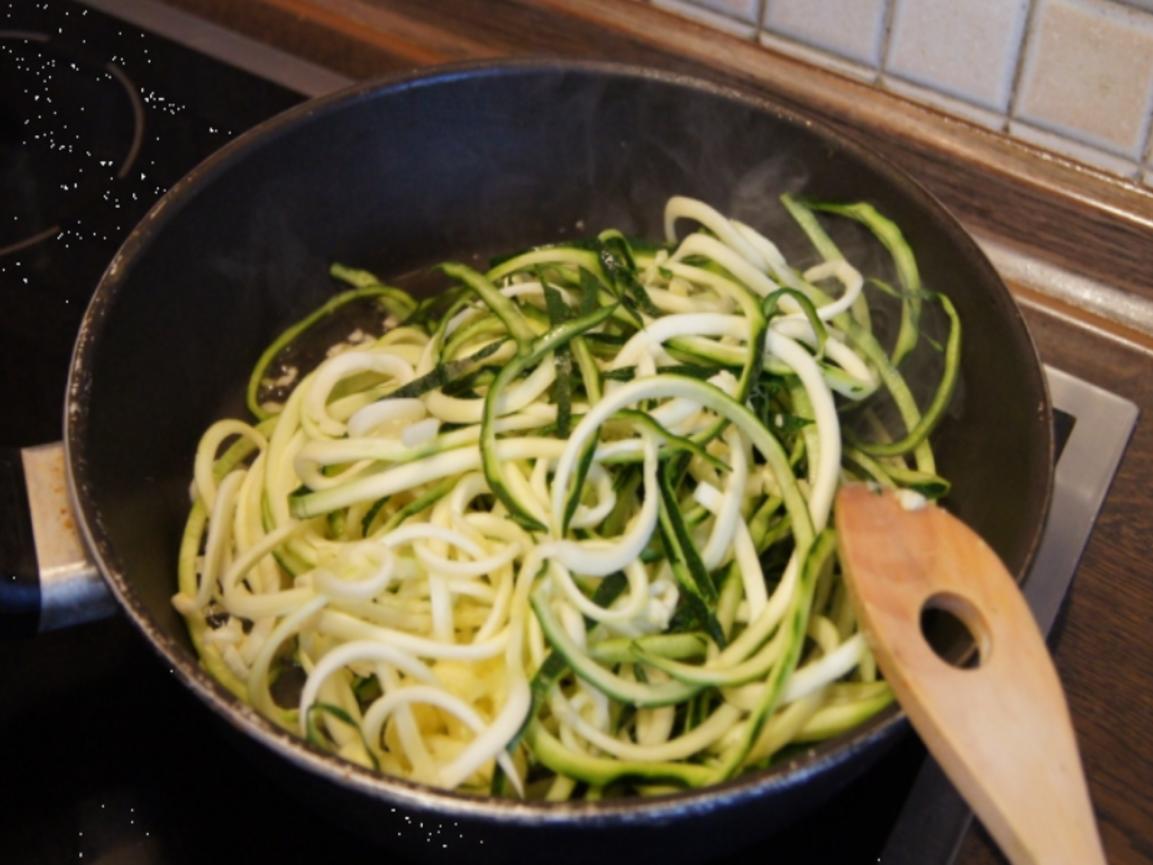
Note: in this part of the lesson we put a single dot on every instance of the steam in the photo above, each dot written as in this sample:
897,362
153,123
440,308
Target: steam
494,163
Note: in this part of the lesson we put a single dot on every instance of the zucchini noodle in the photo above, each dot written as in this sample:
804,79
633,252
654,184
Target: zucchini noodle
564,529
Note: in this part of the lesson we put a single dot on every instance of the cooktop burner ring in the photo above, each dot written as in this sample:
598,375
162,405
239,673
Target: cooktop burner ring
40,62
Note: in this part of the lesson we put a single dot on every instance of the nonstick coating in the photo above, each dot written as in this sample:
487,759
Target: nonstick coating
412,170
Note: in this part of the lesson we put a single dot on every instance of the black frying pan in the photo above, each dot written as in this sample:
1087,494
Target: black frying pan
413,170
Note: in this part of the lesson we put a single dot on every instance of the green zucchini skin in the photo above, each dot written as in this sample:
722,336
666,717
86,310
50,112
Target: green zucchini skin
563,530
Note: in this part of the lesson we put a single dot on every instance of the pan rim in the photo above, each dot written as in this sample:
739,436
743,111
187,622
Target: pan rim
883,729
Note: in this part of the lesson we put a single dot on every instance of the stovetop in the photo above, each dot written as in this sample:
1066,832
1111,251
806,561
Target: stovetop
103,756
77,172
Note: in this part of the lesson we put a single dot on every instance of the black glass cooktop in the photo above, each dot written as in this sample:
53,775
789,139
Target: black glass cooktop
103,756
106,760
97,120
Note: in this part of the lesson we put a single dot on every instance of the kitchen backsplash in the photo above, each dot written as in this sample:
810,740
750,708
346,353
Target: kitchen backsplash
1073,76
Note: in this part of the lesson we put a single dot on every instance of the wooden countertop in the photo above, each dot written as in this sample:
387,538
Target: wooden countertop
1079,219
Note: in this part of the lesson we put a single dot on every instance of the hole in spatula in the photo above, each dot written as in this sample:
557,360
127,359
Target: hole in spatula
955,630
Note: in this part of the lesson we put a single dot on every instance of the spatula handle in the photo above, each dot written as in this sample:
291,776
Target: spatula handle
1001,731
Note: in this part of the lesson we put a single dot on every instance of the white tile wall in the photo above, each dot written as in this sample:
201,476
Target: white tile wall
946,103
818,57
742,10
1074,150
738,17
966,49
1073,76
853,29
1088,74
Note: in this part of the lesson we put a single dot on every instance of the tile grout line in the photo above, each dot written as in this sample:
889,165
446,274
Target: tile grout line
814,53
762,11
886,41
1010,111
703,13
1146,157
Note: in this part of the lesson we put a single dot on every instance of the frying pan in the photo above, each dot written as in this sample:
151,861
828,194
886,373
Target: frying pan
457,163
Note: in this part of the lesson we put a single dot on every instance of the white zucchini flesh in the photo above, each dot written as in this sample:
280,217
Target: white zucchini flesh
362,540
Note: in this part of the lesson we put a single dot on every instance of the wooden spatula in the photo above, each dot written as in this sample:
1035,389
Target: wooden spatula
1000,730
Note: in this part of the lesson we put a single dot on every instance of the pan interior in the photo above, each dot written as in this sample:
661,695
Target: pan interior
457,166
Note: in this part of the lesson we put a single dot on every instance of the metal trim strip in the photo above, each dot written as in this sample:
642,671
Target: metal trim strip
224,45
